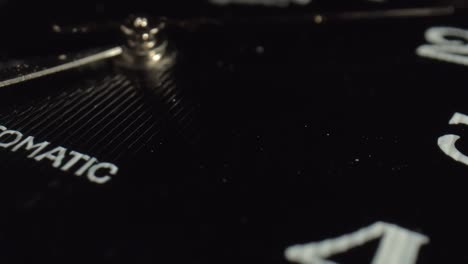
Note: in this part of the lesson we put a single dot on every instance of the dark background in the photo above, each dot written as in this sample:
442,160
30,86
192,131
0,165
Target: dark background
296,133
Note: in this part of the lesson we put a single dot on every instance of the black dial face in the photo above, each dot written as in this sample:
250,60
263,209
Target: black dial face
234,132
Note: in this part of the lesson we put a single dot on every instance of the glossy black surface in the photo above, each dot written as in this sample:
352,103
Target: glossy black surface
261,137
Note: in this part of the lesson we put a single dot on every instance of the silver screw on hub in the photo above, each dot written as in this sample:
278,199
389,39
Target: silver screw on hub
146,45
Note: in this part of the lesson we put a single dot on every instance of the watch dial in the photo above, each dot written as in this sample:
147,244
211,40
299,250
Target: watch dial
257,132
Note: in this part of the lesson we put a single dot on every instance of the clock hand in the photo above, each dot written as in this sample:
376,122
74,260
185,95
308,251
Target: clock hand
317,17
145,49
33,73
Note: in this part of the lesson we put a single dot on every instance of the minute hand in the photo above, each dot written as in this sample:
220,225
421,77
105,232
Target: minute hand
77,62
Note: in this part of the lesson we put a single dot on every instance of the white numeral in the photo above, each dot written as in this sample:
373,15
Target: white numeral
447,143
397,246
446,44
